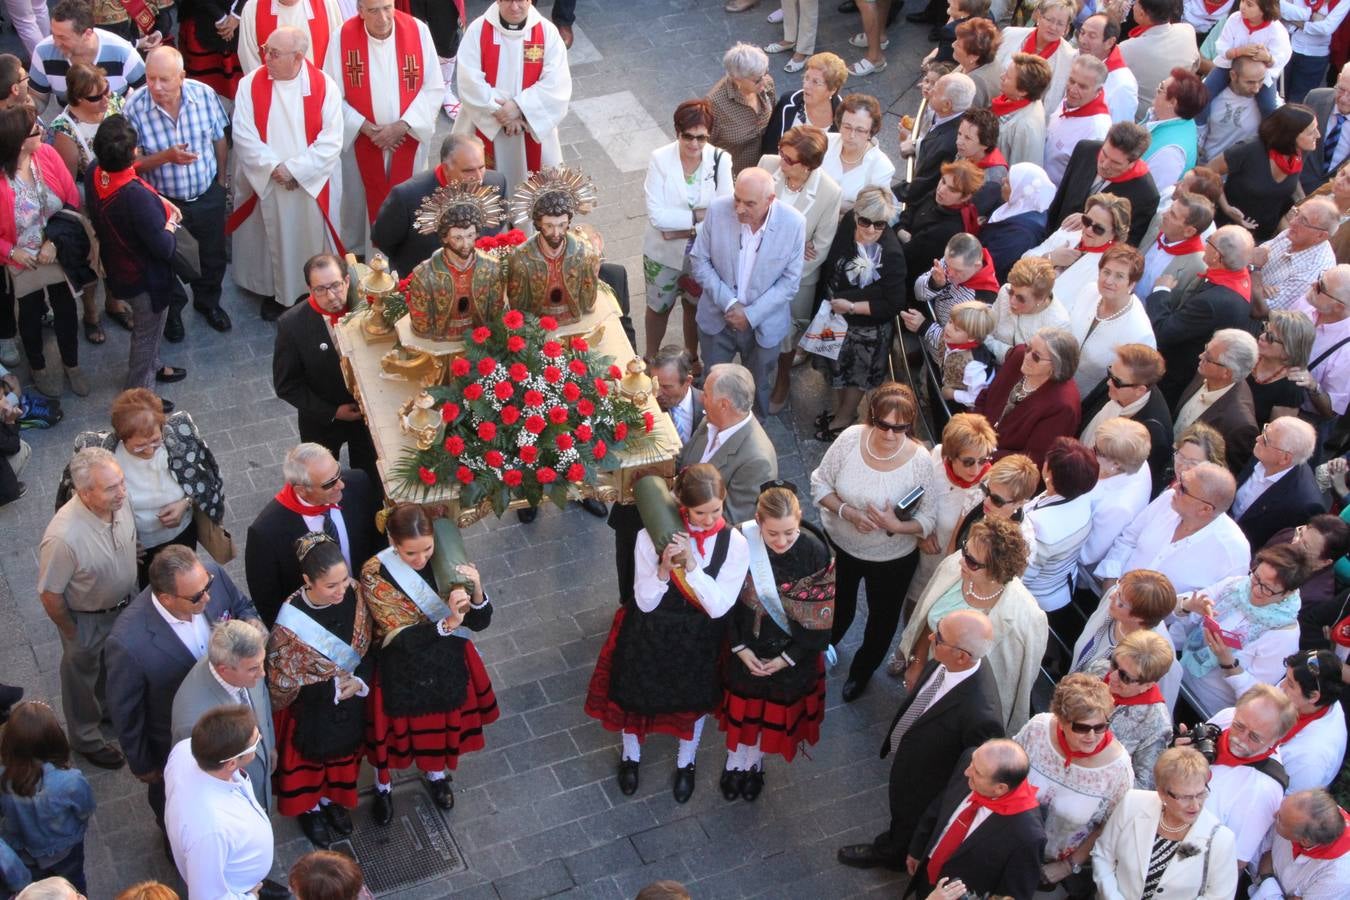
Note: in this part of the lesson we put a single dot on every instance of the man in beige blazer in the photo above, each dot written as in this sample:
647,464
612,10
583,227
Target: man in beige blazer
732,440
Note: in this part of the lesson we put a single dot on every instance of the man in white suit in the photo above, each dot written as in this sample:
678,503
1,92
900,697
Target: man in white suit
748,260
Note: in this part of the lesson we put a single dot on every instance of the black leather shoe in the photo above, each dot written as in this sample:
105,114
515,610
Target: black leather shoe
595,507
173,328
170,374
853,689
271,310
441,793
339,820
105,757
684,784
383,810
217,318
10,694
271,890
628,777
865,856
753,785
731,783
935,33
315,828
848,6
527,515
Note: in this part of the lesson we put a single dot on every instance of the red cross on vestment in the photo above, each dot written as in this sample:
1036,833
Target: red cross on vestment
356,68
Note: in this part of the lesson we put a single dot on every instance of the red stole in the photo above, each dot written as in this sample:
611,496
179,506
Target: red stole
993,158
1335,850
1192,244
355,56
261,94
139,13
1071,754
1115,61
1302,723
330,316
1002,106
1291,164
1240,280
1029,46
1138,170
288,498
265,22
533,68
1094,107
1225,757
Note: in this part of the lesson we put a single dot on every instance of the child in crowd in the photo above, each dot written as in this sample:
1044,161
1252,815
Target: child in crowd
1255,30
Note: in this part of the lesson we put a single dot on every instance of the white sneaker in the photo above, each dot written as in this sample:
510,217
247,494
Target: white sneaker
776,16
9,352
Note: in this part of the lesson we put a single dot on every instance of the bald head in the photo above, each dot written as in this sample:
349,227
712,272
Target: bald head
997,767
971,630
284,52
164,59
1216,485
754,195
164,77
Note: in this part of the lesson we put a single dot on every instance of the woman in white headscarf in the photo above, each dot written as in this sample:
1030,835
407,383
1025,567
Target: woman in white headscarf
1017,225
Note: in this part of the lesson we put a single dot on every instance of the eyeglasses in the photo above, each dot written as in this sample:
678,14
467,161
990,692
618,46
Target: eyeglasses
993,498
1264,588
1180,487
335,287
196,598
332,482
894,428
694,138
1188,798
1242,728
940,641
97,97
972,461
147,447
788,160
1264,438
1322,289
1037,357
1301,219
251,748
1087,728
864,222
971,562
1270,337
1125,677
1118,383
1096,228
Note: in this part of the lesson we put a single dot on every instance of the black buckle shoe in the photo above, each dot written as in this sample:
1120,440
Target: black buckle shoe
752,785
628,777
315,828
339,820
441,793
865,856
595,507
853,689
684,784
731,783
383,809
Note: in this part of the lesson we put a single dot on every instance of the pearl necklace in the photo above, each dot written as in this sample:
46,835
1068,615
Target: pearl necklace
1163,826
849,162
968,587
867,445
1115,315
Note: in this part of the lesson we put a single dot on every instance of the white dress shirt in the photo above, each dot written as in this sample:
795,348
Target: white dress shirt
745,262
1122,94
1342,140
1244,799
1211,554
239,694
719,436
315,523
1313,758
1254,487
1156,261
717,595
1062,134
221,838
194,633
1332,373
1114,501
1306,877
950,680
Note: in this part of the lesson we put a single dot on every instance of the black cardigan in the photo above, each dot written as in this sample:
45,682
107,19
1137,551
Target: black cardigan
885,295
136,250
785,116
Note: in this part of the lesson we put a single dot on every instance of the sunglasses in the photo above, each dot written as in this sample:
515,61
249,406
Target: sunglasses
971,562
36,132
972,461
864,222
1085,728
97,97
1096,228
1310,662
940,641
905,428
993,498
332,482
251,748
1321,289
196,598
1270,337
1125,677
694,138
788,160
1118,383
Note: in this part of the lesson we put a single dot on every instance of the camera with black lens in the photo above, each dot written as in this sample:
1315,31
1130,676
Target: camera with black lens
1203,737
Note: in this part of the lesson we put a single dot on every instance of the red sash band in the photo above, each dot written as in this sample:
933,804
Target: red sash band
265,22
534,68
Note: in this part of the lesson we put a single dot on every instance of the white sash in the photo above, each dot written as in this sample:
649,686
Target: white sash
318,638
761,575
414,586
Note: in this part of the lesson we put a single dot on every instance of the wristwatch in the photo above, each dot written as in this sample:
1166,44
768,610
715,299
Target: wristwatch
1074,868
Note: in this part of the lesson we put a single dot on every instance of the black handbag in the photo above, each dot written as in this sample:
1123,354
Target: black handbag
187,261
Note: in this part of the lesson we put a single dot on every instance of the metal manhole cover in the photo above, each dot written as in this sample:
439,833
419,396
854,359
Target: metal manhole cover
415,848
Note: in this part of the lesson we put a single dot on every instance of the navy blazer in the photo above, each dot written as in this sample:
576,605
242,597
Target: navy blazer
146,663
393,232
1288,503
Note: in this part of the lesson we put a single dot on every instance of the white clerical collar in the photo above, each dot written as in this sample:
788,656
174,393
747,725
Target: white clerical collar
494,18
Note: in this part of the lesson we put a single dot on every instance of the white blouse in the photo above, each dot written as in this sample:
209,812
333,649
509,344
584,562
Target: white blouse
876,169
950,502
717,595
1097,350
151,487
1011,330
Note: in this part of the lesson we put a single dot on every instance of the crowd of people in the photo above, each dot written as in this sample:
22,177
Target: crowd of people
1112,257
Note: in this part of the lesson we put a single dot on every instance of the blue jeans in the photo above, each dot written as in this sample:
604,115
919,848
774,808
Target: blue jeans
1303,74
70,867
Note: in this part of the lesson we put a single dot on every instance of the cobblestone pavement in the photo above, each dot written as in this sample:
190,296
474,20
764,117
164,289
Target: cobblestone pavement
537,812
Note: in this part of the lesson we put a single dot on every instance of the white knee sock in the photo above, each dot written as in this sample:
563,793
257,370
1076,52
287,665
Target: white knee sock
690,747
632,748
435,776
315,809
754,757
738,759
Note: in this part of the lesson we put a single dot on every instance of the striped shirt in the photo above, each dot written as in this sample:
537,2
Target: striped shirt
200,123
121,62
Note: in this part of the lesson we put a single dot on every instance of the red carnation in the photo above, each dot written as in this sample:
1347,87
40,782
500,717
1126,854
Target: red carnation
428,477
402,286
535,424
545,475
599,450
577,367
571,392
548,323
564,441
534,399
557,414
519,371
510,415
460,367
529,454
487,431
576,473
601,388
615,372
449,412
620,431
493,458
481,334
515,343
464,474
585,407
512,477
580,345
503,390
487,365
552,374
454,445
552,349
513,319
473,391
584,433
648,422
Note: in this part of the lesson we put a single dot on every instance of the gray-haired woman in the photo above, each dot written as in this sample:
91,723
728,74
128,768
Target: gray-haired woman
1033,400
1282,349
742,102
863,277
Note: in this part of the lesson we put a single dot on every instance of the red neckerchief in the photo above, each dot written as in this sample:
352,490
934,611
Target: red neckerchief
964,345
108,183
332,317
992,158
1102,249
985,279
1253,29
1335,850
1002,106
1070,754
957,479
288,498
1138,170
440,176
1302,723
1340,633
1115,61
1240,280
701,536
1192,244
1029,46
1213,7
970,216
1152,695
1094,107
1225,757
1291,164
1018,800
1140,29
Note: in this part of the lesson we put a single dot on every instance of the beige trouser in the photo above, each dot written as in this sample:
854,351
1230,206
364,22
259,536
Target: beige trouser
799,24
82,674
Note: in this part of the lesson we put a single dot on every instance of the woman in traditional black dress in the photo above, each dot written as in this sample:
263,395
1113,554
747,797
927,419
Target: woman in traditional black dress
774,693
659,672
318,674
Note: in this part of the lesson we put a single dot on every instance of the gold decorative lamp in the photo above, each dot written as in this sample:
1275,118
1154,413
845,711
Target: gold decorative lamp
376,288
636,384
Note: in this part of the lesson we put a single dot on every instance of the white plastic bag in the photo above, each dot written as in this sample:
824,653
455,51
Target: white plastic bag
825,335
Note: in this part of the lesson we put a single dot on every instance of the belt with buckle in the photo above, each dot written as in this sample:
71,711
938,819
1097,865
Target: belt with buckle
102,612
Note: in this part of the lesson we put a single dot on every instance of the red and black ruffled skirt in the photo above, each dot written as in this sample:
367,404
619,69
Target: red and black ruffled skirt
217,69
432,741
777,728
300,783
600,705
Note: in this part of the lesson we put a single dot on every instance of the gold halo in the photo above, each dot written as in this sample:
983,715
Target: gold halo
480,196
